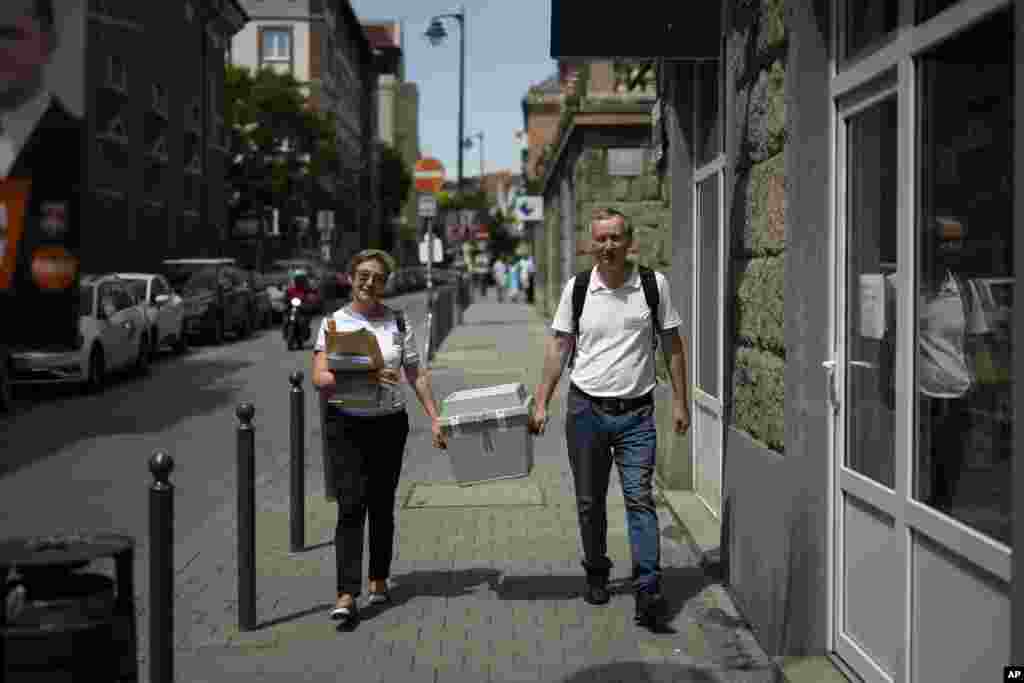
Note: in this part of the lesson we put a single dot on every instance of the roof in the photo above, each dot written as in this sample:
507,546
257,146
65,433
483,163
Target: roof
383,35
551,84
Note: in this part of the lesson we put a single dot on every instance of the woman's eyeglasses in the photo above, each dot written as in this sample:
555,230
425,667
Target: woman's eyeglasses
362,277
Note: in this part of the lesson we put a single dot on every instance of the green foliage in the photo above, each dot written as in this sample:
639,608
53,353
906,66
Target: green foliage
279,146
396,181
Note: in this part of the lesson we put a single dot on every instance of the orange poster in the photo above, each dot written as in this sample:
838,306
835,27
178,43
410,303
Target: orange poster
13,200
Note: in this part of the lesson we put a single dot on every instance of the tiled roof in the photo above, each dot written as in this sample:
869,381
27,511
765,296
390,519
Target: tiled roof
381,36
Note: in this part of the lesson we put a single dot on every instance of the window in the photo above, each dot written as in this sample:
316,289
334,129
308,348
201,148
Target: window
123,298
965,276
117,74
708,289
275,45
708,121
868,22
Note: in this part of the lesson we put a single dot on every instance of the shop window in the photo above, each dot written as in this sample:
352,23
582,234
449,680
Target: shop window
926,9
965,277
868,22
871,264
709,127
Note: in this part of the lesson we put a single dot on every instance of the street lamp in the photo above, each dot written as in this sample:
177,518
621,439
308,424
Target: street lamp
468,144
436,34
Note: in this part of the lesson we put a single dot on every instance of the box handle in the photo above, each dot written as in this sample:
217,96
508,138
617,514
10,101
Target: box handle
453,425
501,416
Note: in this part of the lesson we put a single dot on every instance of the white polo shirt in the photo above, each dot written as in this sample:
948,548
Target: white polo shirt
613,354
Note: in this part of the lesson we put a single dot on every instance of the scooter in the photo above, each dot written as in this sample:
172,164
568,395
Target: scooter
296,328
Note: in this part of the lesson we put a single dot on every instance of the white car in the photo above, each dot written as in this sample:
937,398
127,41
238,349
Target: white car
165,310
112,334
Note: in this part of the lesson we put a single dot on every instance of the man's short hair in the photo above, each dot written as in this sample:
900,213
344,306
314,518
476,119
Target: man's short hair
608,213
44,13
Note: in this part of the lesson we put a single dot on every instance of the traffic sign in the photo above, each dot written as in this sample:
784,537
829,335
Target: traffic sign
427,206
429,175
425,249
529,208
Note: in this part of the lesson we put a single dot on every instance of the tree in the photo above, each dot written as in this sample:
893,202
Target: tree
281,148
396,182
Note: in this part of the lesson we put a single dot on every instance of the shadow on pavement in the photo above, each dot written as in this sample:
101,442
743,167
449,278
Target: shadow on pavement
50,418
648,672
318,609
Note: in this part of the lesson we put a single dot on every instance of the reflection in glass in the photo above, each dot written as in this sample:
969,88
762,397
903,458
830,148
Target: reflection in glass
965,278
926,9
868,22
707,287
871,264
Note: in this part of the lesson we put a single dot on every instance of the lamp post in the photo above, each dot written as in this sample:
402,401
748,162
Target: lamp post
436,33
468,143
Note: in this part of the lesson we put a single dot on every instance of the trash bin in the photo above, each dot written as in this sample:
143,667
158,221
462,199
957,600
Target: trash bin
487,433
59,623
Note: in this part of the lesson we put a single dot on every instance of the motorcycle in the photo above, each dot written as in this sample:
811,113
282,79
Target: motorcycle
296,329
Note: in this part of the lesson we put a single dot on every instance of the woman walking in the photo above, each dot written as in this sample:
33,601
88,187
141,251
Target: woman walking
367,426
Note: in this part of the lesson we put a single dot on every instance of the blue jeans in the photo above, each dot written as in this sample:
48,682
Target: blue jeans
591,436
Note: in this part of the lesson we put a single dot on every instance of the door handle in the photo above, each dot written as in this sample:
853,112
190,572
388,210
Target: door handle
830,373
863,364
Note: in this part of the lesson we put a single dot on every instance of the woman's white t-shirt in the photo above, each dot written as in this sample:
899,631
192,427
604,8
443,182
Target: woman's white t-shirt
397,351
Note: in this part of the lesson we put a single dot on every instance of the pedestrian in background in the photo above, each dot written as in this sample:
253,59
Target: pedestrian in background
524,277
367,444
610,411
531,270
482,271
512,278
500,270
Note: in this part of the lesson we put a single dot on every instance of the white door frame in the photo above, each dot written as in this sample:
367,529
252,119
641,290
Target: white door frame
910,516
713,169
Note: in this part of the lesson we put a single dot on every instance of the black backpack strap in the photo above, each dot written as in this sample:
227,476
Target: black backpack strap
400,323
579,297
650,285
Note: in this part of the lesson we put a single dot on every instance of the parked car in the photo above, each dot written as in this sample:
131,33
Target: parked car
112,334
261,314
165,310
217,297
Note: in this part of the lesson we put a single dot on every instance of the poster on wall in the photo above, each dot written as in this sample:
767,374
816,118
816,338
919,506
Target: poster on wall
42,62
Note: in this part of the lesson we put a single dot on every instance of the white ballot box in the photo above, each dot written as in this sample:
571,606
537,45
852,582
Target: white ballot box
487,433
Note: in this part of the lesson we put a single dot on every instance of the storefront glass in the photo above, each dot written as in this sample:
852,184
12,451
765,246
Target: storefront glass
926,9
709,143
707,286
872,214
964,367
867,24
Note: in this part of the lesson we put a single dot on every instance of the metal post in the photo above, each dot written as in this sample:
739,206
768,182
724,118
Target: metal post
298,461
161,569
461,16
246,519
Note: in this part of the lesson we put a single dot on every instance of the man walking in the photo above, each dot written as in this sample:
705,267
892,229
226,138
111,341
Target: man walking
500,271
610,412
528,278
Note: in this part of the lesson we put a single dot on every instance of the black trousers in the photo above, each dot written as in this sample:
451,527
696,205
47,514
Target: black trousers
367,454
950,421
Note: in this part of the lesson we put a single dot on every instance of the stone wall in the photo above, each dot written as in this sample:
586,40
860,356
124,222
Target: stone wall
756,69
644,199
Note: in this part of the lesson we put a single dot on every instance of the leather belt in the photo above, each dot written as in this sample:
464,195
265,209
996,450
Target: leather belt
615,406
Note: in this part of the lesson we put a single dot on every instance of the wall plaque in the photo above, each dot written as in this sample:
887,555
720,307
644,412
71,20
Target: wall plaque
625,161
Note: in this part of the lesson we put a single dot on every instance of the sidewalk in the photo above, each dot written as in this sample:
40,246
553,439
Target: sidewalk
486,579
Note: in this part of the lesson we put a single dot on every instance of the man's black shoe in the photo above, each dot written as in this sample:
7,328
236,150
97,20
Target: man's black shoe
651,609
597,589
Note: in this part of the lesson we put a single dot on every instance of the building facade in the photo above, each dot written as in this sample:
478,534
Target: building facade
321,43
153,159
397,126
842,244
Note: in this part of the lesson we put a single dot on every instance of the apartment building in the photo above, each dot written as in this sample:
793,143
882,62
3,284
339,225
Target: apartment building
321,43
397,126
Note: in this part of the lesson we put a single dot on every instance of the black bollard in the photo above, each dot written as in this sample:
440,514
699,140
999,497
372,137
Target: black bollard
161,569
246,519
298,461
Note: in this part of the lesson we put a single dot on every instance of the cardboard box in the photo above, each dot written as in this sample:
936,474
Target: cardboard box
487,433
352,351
